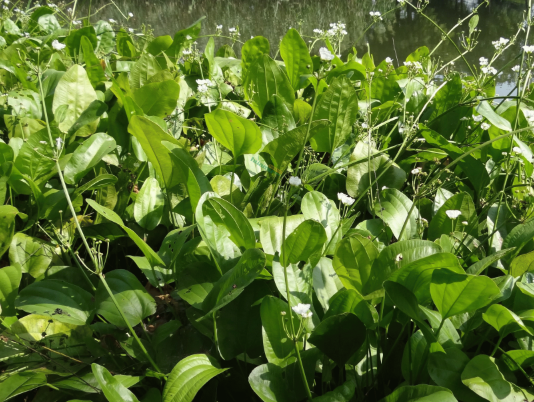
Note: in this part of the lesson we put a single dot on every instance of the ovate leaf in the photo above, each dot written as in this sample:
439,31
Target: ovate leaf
189,376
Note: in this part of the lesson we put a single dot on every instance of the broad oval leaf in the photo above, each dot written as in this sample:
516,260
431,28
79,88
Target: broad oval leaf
296,56
135,302
189,376
306,241
240,135
158,98
112,387
442,224
420,393
74,90
353,260
317,206
269,384
504,320
148,207
399,213
88,155
60,300
9,284
455,293
34,255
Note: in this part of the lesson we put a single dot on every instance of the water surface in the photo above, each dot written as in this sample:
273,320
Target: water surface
399,34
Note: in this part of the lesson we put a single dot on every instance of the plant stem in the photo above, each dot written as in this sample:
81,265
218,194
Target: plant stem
105,283
289,313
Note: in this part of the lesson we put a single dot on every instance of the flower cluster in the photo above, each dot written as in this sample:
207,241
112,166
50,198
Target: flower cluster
489,70
345,199
515,69
326,54
295,181
414,65
303,310
501,43
336,31
376,15
57,45
483,61
528,49
485,126
204,85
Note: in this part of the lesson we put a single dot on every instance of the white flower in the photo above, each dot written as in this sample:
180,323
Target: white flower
398,258
302,310
401,2
517,150
345,199
59,141
478,118
453,213
77,22
485,126
187,52
57,45
489,70
375,14
112,21
42,142
389,60
465,223
465,118
130,15
6,1
295,181
515,69
232,30
501,43
318,31
219,27
131,30
204,85
416,171
325,54
365,125
188,37
528,49
384,188
483,61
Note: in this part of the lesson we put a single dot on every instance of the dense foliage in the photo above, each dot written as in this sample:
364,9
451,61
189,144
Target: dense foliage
180,225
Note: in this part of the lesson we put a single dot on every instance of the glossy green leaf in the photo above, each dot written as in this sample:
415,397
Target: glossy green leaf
317,206
20,383
87,155
504,320
277,120
94,70
395,257
483,377
9,283
158,98
326,282
189,376
60,300
135,302
146,67
420,393
148,207
34,255
74,90
264,78
33,157
353,260
269,384
521,264
417,275
350,301
305,242
299,280
455,293
338,105
8,214
398,212
296,56
343,393
240,135
112,388
518,237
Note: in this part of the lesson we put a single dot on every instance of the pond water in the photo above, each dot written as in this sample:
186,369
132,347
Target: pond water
399,34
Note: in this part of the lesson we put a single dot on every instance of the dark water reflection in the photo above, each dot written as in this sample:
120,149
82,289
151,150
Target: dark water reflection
397,35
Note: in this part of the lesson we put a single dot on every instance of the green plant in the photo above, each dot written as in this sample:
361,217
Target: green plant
182,225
